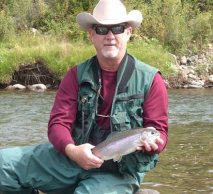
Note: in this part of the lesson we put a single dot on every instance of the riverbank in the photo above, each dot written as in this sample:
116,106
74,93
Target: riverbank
37,76
190,72
45,60
193,71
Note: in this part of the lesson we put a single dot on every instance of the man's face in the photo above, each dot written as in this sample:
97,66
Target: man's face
110,41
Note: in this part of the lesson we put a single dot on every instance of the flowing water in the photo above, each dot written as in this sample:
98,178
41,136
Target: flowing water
186,166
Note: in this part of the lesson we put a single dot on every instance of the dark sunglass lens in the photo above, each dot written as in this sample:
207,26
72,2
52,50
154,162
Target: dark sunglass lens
117,29
102,30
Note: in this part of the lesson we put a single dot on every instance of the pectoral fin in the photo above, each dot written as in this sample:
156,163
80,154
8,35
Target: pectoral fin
117,158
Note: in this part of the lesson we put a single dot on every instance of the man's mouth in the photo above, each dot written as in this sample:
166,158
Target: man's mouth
110,44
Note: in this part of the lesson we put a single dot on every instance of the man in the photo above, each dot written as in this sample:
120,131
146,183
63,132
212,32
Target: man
112,91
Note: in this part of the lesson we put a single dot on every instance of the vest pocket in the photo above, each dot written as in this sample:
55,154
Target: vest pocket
134,109
84,106
128,113
84,116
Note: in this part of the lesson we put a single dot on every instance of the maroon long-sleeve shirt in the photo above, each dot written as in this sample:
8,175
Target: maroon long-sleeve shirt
155,108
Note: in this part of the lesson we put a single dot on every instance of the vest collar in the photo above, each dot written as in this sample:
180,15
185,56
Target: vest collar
125,71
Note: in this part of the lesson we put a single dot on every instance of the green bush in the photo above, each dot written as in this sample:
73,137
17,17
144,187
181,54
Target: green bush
60,54
202,28
176,24
7,29
153,53
179,25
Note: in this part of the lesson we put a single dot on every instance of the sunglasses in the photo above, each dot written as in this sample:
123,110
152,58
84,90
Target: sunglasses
104,30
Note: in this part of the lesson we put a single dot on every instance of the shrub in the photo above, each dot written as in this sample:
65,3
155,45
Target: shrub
153,53
6,26
202,28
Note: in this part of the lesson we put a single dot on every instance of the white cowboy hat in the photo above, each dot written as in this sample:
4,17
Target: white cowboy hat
109,12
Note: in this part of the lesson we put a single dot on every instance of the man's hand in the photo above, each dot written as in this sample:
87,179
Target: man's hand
151,146
83,156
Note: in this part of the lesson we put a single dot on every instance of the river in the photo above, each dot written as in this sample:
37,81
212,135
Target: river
186,166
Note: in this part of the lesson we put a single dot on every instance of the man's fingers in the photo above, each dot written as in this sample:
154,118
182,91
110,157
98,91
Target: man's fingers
159,140
153,145
147,146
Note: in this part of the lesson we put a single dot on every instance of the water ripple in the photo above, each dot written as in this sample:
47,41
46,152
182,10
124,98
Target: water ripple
185,166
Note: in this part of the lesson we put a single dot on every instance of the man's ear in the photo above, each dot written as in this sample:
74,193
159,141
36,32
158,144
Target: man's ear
90,34
129,33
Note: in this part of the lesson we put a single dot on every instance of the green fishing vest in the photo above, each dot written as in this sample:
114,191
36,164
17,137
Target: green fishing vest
134,79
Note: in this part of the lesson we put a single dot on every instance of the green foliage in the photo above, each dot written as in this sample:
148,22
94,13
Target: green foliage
5,70
59,54
202,28
6,26
178,24
201,69
175,26
211,69
200,5
176,34
151,52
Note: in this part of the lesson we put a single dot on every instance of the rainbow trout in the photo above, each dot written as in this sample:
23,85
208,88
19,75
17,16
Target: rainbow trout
122,143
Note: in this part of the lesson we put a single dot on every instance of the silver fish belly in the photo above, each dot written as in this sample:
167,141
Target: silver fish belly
122,143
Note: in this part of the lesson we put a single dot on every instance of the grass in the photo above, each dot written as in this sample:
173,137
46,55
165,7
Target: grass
151,52
60,54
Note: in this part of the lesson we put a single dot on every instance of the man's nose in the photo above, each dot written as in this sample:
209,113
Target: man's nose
110,34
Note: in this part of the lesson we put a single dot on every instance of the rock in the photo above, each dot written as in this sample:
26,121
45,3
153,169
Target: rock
16,87
193,58
194,86
190,73
147,191
211,78
192,76
182,67
196,83
200,61
37,87
167,84
183,60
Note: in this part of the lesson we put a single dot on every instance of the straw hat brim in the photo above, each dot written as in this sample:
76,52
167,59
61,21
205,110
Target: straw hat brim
86,20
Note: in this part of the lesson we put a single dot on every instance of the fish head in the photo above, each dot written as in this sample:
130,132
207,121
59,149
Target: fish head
149,134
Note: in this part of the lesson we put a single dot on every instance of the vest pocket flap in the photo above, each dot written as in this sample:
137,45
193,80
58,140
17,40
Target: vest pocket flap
119,117
128,98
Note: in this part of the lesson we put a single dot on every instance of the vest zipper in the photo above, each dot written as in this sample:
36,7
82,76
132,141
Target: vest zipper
83,101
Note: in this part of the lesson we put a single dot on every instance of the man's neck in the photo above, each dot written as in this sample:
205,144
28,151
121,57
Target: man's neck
109,64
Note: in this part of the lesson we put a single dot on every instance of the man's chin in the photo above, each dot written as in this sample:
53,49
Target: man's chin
110,55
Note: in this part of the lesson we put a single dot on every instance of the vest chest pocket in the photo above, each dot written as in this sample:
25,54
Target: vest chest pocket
85,106
134,109
128,112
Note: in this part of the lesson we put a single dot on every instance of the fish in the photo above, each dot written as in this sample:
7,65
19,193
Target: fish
118,144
